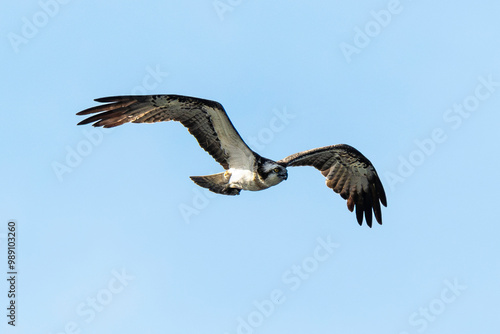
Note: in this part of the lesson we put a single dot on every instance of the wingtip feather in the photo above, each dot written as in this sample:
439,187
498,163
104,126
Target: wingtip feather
116,98
350,204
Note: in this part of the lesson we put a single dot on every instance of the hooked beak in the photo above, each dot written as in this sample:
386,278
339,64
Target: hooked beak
284,175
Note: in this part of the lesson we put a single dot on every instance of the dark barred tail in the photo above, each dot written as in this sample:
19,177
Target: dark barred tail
217,183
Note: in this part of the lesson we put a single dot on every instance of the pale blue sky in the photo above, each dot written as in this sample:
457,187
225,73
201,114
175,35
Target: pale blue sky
103,244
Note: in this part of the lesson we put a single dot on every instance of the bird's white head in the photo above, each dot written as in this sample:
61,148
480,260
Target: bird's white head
272,173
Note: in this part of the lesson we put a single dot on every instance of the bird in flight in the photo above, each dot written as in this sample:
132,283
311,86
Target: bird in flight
346,170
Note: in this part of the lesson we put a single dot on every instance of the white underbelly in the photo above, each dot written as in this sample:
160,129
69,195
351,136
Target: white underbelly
243,179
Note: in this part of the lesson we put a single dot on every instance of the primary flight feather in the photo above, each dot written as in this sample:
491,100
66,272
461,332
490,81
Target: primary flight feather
346,170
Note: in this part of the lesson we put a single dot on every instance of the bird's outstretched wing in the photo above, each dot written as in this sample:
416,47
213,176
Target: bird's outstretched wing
348,173
206,120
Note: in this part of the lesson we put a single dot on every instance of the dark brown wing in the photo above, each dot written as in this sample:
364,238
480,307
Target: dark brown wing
206,120
348,173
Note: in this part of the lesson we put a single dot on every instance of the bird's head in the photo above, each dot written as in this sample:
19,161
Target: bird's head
272,172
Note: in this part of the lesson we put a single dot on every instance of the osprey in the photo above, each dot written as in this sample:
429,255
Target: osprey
346,170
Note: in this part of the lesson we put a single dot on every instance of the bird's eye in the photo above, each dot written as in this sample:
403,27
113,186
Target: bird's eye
276,170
